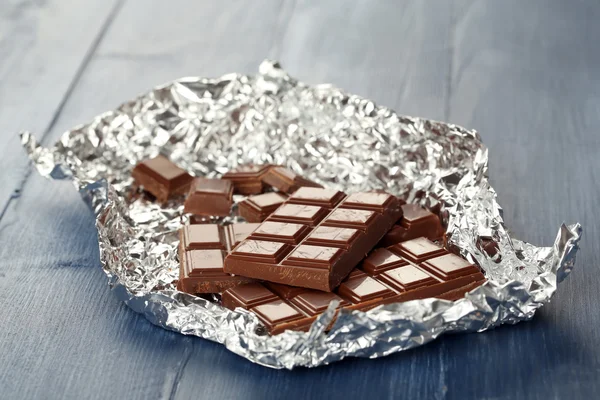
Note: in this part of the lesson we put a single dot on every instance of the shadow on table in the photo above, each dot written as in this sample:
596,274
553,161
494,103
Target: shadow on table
529,359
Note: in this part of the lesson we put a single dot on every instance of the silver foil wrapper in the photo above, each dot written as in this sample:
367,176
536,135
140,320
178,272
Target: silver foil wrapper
343,141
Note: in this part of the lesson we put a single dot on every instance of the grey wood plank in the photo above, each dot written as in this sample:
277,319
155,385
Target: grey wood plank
43,46
141,51
525,74
64,334
391,54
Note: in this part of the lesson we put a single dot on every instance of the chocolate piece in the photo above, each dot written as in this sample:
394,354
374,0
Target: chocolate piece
287,249
212,197
281,232
416,222
257,208
202,249
276,312
301,214
488,246
285,291
381,260
319,197
364,288
162,178
285,180
419,249
447,266
247,179
236,233
206,236
438,274
246,296
345,218
314,302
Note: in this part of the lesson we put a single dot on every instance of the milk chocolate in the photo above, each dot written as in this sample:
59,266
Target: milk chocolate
258,208
162,178
389,275
416,222
247,179
315,238
202,249
286,180
209,197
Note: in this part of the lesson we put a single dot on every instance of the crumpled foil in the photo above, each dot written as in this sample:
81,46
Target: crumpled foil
343,141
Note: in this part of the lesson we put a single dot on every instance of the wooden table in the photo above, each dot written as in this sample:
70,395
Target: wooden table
526,75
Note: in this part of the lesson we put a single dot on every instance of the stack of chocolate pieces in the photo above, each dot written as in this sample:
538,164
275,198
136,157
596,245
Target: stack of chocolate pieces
415,269
305,246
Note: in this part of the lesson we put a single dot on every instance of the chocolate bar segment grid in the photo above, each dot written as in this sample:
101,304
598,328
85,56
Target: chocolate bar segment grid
202,250
386,276
315,238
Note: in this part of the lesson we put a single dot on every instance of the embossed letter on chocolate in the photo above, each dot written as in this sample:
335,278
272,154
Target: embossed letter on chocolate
162,178
315,238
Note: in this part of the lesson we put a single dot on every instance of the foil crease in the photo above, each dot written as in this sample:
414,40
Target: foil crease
340,140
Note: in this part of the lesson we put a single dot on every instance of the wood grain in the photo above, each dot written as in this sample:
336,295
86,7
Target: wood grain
525,74
44,47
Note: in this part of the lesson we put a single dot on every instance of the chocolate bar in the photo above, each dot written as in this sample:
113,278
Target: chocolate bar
315,238
201,252
416,222
212,197
286,180
258,208
247,179
412,270
162,178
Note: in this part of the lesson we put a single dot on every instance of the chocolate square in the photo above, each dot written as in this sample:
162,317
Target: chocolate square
333,237
449,266
258,208
313,256
347,218
418,250
162,178
298,213
271,252
368,201
286,180
276,312
314,302
407,278
247,179
327,198
212,197
280,232
363,289
205,236
382,260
